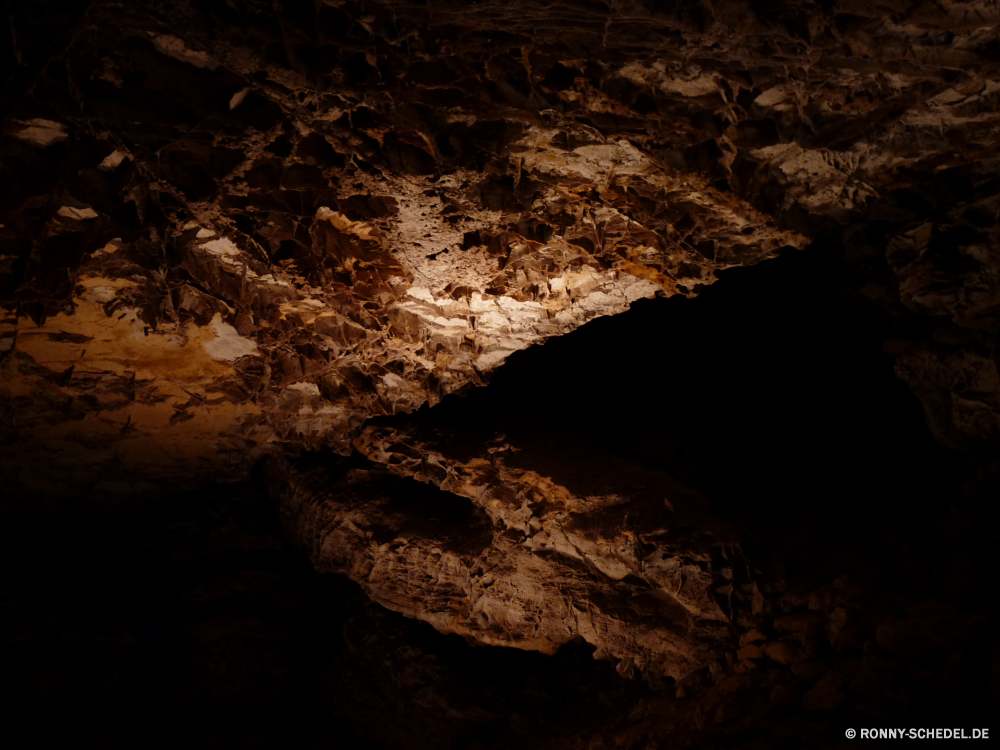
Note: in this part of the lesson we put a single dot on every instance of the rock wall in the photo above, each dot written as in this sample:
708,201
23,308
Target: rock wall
230,228
217,247
231,231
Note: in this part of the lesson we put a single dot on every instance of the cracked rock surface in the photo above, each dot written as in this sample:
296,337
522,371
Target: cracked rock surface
249,253
524,562
382,202
235,232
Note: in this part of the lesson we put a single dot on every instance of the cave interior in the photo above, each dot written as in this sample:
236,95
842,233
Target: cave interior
450,374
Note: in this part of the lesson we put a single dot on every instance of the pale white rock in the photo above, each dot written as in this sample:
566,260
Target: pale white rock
306,389
228,344
492,321
419,292
391,380
635,288
113,160
77,214
222,246
431,316
102,294
771,97
237,98
177,49
39,132
479,305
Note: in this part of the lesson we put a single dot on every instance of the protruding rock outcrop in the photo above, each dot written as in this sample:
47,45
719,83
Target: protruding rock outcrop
504,556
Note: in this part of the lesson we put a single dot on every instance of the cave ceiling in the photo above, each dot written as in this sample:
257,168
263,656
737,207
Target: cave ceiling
229,228
241,231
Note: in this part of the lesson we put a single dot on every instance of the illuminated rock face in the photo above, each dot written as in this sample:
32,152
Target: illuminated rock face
504,556
246,255
230,233
381,206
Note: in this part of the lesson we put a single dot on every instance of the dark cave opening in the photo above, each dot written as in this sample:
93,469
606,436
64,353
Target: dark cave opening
189,621
774,397
770,392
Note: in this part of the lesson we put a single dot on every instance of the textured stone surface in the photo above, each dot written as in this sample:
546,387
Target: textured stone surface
211,254
505,556
382,202
235,230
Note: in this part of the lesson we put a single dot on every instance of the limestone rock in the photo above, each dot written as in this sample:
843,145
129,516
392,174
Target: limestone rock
504,556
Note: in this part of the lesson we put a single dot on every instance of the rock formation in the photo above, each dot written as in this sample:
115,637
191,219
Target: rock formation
288,253
242,232
523,562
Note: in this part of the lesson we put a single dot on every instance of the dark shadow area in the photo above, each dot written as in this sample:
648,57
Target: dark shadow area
769,393
771,396
403,506
189,621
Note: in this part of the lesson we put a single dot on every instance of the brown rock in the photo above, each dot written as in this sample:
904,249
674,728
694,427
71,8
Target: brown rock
783,652
468,555
827,694
340,241
784,695
808,670
750,651
752,636
799,623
